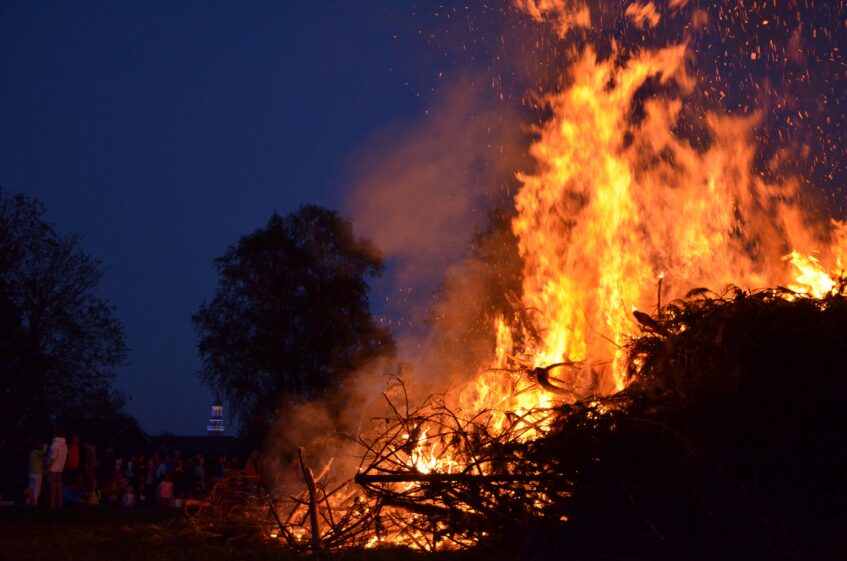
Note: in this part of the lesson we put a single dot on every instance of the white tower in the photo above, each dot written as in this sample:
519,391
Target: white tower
216,420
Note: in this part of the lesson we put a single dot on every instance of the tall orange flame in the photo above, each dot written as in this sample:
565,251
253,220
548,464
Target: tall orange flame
623,212
565,14
616,200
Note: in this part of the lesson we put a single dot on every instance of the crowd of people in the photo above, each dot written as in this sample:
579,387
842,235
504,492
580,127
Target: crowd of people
74,472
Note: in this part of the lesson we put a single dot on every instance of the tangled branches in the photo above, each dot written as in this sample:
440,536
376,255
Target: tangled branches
728,438
321,515
707,344
444,479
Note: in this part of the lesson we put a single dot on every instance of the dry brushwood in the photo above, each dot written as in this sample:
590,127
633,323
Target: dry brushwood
323,515
729,436
647,469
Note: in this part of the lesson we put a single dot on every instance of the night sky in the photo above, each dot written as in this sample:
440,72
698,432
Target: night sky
161,132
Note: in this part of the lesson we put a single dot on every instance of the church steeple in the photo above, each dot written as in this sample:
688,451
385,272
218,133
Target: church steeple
216,420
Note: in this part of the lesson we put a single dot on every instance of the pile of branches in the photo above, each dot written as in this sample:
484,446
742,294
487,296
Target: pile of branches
440,479
235,508
729,439
323,514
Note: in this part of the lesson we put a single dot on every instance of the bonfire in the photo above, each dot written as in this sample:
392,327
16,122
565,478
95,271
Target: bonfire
610,345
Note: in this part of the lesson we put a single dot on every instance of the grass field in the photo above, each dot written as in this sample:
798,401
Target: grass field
105,534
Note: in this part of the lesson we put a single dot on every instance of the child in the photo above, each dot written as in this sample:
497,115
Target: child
166,491
128,500
114,488
93,496
36,471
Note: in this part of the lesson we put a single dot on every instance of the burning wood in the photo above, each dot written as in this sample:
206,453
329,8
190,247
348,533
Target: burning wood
314,505
634,463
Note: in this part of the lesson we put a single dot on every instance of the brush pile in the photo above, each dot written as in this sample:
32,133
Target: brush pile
729,441
730,437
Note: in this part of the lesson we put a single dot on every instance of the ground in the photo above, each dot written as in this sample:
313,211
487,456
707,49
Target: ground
106,534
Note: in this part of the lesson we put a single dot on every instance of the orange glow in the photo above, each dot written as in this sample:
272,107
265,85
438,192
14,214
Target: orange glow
564,14
617,203
643,15
622,214
812,278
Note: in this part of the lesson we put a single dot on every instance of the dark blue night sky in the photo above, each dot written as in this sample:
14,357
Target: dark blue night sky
162,132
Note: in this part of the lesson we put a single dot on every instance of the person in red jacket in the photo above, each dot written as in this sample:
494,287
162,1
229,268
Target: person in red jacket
73,464
166,491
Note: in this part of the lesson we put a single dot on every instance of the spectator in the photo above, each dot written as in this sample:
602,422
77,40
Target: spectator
251,471
105,468
150,479
199,488
92,493
131,467
140,479
114,488
165,467
128,499
89,460
189,476
223,467
74,463
74,492
36,471
166,491
252,466
180,482
56,458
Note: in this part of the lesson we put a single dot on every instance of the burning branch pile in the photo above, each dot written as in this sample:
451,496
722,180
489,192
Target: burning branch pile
322,514
729,435
449,480
718,429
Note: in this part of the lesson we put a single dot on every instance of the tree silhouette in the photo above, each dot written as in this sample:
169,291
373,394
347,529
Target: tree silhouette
59,344
290,318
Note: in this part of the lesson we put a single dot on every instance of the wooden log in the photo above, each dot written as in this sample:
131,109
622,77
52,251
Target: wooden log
417,477
313,502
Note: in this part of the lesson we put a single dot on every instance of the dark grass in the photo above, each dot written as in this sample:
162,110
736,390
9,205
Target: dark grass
106,534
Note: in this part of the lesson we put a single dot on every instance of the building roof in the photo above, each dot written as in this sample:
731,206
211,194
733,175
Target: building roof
124,434
120,433
191,445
